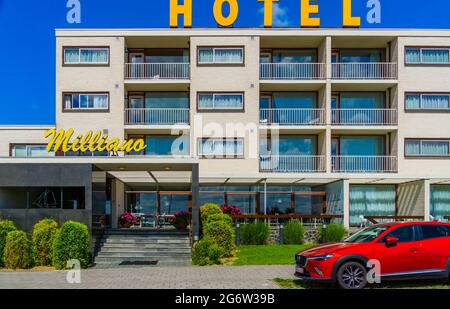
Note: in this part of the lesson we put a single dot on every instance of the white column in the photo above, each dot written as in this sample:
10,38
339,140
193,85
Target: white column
346,202
426,197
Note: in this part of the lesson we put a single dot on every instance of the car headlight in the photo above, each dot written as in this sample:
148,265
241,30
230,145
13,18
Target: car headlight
321,257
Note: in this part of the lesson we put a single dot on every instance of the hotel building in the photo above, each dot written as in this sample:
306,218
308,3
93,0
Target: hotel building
346,125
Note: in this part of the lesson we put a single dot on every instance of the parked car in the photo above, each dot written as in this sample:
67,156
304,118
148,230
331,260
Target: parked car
409,250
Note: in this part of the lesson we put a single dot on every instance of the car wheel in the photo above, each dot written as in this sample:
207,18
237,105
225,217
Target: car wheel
352,276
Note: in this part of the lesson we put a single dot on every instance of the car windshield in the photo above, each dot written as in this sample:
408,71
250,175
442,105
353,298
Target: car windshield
366,235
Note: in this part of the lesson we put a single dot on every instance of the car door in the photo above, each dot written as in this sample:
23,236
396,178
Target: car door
404,257
435,241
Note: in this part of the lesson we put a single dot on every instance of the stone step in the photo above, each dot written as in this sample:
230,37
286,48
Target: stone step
141,253
147,250
127,246
165,263
138,232
153,260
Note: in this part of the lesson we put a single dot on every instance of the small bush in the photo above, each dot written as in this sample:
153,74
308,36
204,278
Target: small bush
206,252
17,252
220,217
293,233
43,234
254,233
332,233
182,220
71,241
6,226
208,210
221,233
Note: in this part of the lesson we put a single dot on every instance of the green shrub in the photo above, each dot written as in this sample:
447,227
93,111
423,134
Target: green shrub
332,232
206,252
220,217
42,239
17,252
254,233
221,233
71,241
208,210
293,233
6,226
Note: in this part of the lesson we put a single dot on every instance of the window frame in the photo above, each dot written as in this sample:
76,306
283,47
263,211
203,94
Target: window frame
216,93
80,48
426,140
223,156
214,63
421,94
85,110
27,146
421,48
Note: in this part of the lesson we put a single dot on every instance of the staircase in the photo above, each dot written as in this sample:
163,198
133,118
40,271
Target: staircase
121,248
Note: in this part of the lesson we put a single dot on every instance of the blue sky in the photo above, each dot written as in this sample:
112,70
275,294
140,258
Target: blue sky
27,36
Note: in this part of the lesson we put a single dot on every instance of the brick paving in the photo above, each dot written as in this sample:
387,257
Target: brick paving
217,277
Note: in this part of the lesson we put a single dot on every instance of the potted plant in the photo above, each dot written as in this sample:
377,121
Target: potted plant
128,220
181,220
231,210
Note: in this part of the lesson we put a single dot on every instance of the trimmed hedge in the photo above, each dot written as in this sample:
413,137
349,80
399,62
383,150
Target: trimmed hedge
221,233
42,239
332,233
293,233
208,210
17,252
206,252
71,241
254,233
220,217
6,226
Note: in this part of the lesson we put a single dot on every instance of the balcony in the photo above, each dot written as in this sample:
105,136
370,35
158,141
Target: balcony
364,164
292,116
369,71
292,71
364,117
157,71
156,116
292,164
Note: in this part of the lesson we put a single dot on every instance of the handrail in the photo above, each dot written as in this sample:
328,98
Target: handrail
157,71
292,163
364,116
364,70
286,216
373,219
293,116
156,116
292,71
364,164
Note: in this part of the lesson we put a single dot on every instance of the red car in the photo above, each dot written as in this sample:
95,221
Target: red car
410,250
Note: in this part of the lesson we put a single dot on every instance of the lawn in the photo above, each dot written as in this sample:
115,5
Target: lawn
268,255
425,284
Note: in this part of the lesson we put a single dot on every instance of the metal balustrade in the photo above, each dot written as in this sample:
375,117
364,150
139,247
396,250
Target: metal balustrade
373,70
360,116
156,116
292,164
157,71
292,116
292,71
364,164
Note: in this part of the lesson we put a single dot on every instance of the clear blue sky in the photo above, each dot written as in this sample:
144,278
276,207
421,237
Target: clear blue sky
27,50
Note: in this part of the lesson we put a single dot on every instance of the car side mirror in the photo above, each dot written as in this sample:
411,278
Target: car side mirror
391,241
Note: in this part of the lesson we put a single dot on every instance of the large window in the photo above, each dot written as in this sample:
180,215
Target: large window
166,56
167,145
364,100
30,151
221,148
427,101
220,55
358,146
86,101
427,148
167,100
294,56
417,55
440,201
359,55
220,101
86,55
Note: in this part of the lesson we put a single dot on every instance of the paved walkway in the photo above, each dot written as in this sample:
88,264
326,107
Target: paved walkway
217,277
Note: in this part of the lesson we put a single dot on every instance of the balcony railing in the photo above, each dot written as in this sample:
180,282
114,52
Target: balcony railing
156,116
157,71
364,117
292,71
292,116
292,164
364,164
374,70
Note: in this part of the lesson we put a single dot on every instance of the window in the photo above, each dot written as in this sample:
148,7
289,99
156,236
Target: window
440,201
216,55
295,56
87,55
31,151
430,101
404,234
433,148
86,101
220,101
167,145
360,55
221,148
434,231
417,55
